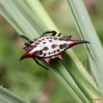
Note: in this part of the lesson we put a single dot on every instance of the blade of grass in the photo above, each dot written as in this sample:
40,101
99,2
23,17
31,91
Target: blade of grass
30,16
13,10
75,94
87,89
8,97
49,23
80,67
10,20
9,5
71,87
87,31
39,10
80,95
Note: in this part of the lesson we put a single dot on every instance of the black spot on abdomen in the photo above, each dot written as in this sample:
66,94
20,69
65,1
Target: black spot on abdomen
50,40
58,50
63,46
45,48
44,54
54,46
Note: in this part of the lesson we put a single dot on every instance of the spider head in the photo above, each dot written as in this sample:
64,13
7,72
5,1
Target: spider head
28,53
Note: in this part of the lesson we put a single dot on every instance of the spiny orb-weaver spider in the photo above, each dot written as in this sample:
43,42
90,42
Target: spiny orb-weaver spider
49,47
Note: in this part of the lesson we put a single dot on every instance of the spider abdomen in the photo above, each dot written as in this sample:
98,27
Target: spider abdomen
49,46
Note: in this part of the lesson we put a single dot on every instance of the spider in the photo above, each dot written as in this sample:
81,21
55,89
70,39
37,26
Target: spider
48,47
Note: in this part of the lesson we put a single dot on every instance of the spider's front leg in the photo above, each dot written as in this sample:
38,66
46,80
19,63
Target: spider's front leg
30,41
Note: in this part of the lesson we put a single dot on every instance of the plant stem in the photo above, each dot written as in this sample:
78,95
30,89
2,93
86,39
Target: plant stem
8,97
87,31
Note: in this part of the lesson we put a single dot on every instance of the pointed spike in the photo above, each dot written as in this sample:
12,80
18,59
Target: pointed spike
60,57
26,55
75,42
47,60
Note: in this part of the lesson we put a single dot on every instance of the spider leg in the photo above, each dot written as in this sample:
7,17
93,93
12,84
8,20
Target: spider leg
27,44
40,64
59,34
30,41
53,33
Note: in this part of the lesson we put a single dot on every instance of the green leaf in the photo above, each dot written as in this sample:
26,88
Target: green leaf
8,97
66,72
87,32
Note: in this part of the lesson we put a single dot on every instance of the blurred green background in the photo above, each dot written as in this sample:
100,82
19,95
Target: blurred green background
27,79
